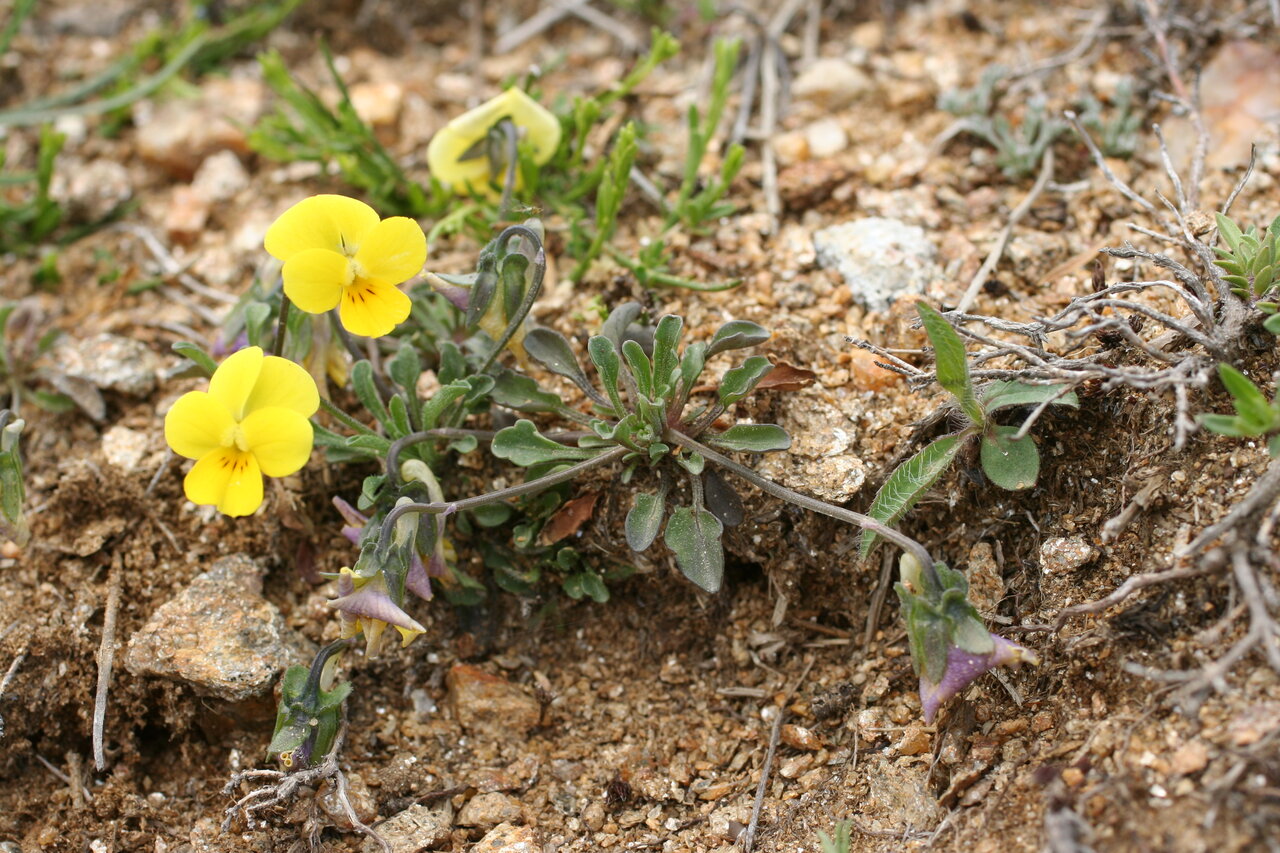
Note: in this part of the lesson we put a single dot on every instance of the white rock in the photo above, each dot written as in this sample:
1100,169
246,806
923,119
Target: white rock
831,82
826,138
124,447
880,259
220,177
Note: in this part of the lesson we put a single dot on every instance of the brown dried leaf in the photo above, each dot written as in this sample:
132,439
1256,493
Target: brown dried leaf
787,377
569,518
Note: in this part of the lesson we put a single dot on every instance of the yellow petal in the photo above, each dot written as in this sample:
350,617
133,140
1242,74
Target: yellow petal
286,385
538,127
227,478
373,309
407,636
330,222
280,439
314,278
196,425
393,252
234,379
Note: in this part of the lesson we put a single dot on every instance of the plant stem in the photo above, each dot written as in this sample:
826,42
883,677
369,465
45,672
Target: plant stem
570,473
285,304
902,540
344,418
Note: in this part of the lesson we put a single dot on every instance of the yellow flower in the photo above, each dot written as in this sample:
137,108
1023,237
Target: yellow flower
457,155
252,421
338,254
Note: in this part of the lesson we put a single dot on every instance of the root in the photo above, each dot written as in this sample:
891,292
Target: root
277,788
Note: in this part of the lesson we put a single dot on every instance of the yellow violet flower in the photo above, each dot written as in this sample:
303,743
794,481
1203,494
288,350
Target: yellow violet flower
457,155
252,421
337,253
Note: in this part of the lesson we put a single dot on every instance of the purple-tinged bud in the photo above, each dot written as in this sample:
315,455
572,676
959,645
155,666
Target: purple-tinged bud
418,581
355,519
963,667
456,294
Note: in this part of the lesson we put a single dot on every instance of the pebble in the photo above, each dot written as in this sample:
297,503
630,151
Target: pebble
1064,554
486,810
178,135
124,447
915,740
800,738
793,765
220,177
826,138
358,795
93,190
791,147
880,259
187,216
219,635
506,838
378,103
1190,758
831,82
110,362
416,828
489,704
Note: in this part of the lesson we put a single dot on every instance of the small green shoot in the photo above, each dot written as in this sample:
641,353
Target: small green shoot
1249,263
1116,136
13,493
27,223
839,842
1008,455
1255,416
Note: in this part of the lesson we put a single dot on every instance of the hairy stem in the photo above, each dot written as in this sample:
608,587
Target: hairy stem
570,473
821,507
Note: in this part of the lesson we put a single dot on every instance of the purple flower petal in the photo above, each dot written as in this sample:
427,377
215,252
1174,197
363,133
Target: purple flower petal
963,667
350,514
371,601
417,580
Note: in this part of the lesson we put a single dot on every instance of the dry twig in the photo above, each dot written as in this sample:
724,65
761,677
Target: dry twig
106,659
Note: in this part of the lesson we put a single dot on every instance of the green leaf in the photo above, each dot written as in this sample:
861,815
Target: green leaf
620,319
666,340
367,391
908,483
604,355
514,391
1273,446
1250,403
740,381
257,317
1229,231
1004,394
1272,324
202,359
737,334
641,367
951,362
1010,463
644,519
691,364
695,540
405,367
550,349
1225,425
594,587
757,438
523,445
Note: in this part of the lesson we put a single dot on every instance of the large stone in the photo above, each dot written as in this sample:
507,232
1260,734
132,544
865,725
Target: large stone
880,259
219,635
110,362
488,704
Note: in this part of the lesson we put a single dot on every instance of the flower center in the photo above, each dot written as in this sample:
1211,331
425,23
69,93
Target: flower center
234,436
